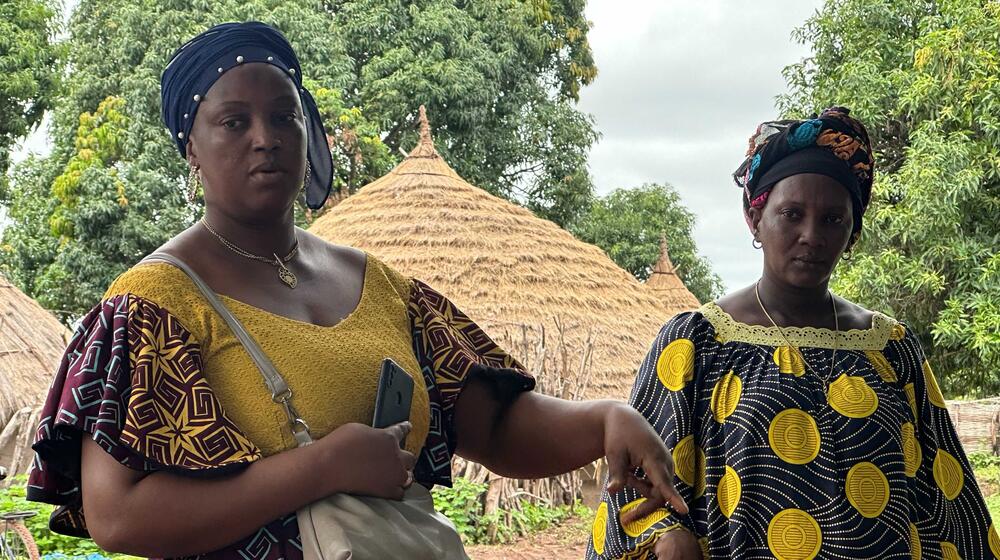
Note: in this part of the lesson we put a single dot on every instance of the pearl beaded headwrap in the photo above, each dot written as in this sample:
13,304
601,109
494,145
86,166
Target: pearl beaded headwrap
203,60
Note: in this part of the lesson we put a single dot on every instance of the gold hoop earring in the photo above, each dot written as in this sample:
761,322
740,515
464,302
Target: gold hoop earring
193,183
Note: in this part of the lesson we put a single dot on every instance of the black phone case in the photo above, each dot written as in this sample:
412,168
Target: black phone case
393,397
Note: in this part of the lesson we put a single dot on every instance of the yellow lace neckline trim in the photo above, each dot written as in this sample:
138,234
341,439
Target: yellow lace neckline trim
728,329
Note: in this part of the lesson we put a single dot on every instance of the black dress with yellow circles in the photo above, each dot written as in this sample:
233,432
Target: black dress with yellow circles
772,465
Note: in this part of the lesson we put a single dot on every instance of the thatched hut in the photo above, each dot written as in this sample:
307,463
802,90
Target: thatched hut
667,285
31,344
526,281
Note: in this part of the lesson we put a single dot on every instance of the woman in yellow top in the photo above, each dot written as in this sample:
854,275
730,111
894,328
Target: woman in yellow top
802,425
159,426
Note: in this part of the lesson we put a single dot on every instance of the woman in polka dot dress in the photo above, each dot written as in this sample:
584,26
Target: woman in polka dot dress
802,425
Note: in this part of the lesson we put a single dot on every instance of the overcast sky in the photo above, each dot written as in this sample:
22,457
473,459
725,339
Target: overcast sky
681,86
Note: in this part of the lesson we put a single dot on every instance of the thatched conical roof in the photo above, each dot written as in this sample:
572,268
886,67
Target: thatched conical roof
501,264
667,286
32,342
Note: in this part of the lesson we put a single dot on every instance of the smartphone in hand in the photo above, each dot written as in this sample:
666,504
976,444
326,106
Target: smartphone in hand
393,396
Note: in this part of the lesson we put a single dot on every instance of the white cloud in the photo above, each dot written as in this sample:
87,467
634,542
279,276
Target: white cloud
680,87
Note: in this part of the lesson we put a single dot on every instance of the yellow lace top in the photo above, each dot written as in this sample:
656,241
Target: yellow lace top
332,370
874,338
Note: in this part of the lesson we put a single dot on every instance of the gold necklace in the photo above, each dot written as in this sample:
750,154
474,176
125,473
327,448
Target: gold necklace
284,274
836,338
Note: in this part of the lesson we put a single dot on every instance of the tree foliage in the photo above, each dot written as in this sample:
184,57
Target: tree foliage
94,225
28,72
629,223
925,76
499,78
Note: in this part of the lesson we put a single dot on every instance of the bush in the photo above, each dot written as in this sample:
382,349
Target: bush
464,504
51,546
987,469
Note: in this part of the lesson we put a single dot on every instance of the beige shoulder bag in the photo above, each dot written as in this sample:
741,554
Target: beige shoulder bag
342,526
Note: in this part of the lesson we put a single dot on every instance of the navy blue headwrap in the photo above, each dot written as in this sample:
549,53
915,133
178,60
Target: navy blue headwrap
203,60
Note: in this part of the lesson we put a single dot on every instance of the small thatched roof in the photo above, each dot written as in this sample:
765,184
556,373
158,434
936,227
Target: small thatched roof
501,264
32,342
667,286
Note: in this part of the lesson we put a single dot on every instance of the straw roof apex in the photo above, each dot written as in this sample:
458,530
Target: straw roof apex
425,146
667,285
664,264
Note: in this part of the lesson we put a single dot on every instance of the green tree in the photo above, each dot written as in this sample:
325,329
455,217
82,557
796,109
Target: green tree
628,225
28,72
925,77
499,78
94,225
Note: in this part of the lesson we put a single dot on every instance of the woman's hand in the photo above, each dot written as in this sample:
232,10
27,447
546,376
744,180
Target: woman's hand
166,515
678,544
630,443
368,461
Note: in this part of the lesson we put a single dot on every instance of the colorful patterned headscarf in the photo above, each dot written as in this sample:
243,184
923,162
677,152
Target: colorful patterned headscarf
196,66
833,144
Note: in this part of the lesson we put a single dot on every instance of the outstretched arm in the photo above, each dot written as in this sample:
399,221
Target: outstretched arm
536,436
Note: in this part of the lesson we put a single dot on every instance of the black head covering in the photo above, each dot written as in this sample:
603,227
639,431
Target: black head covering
196,66
833,144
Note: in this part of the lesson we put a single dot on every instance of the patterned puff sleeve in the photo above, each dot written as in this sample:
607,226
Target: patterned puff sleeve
665,392
451,350
948,515
131,380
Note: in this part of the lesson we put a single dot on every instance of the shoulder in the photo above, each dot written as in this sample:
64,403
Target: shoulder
904,346
881,328
854,316
157,282
735,300
161,294
689,325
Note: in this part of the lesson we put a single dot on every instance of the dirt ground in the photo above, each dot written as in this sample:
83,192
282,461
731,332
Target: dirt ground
566,541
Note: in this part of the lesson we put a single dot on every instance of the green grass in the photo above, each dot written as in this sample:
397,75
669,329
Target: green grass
993,504
986,468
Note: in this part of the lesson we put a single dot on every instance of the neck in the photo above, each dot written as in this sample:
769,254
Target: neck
264,238
796,305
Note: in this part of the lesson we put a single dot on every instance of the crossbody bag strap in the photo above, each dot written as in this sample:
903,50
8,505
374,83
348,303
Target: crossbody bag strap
281,393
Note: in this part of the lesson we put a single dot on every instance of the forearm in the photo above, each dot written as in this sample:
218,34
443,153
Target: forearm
539,436
166,515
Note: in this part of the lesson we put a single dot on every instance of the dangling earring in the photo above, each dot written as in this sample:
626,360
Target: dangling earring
756,243
847,254
308,176
193,183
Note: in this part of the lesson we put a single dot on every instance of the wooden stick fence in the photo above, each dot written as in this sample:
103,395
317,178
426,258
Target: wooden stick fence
561,371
